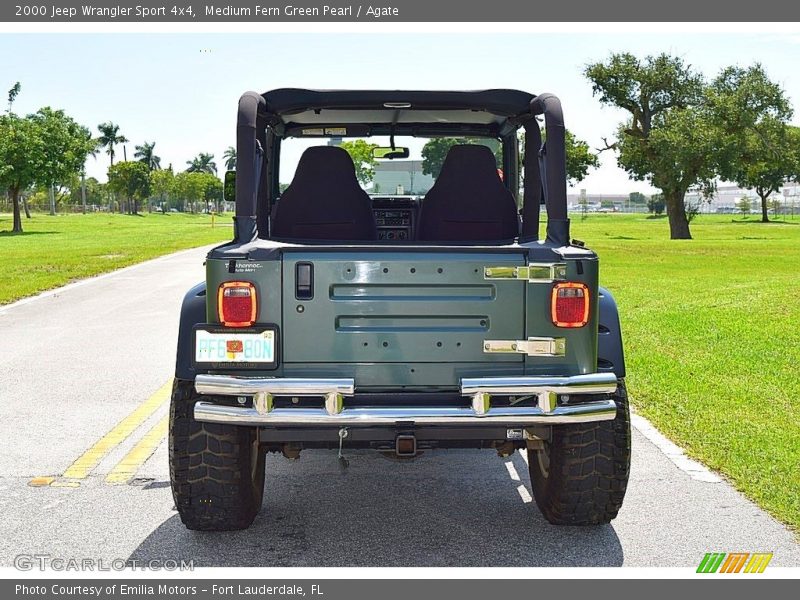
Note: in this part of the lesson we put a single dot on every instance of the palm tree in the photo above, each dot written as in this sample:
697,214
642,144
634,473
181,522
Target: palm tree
93,153
202,163
230,158
110,137
146,155
12,95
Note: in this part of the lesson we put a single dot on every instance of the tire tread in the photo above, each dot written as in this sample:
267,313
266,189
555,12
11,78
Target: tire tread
589,469
210,468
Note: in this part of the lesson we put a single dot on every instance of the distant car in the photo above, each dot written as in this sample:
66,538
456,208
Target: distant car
338,321
173,210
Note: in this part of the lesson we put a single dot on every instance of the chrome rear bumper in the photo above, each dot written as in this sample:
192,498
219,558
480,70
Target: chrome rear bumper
336,413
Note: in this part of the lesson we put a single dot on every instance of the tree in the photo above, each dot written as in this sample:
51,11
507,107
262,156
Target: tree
230,158
579,157
110,137
161,183
760,150
89,190
189,187
64,149
93,153
666,140
693,208
146,154
682,132
435,150
45,148
655,204
20,140
132,180
744,205
12,95
767,162
202,163
584,204
212,189
215,194
637,198
776,206
361,153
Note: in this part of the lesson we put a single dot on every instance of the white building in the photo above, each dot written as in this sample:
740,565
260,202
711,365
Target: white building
727,196
392,176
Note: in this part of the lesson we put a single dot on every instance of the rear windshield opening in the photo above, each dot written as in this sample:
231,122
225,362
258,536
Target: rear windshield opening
438,190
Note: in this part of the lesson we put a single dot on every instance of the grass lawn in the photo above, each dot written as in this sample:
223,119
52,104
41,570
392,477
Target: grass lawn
53,251
712,340
711,325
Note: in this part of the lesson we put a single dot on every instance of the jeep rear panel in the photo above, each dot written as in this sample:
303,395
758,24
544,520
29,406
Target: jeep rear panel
410,307
412,319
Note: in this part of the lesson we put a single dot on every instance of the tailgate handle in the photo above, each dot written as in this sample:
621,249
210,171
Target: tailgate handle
304,281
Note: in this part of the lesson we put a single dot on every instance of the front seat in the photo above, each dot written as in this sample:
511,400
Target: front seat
324,200
468,201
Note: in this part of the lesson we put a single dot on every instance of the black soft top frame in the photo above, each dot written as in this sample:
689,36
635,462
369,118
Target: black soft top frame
501,112
288,101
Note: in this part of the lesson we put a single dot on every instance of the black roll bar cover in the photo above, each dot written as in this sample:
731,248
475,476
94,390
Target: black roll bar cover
532,196
555,167
251,108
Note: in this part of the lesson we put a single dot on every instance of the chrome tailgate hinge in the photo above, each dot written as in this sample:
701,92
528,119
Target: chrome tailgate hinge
533,273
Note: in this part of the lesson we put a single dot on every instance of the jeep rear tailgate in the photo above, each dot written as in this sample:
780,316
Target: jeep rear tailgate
391,307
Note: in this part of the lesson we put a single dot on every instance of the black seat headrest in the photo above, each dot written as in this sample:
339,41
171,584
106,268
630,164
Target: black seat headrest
324,162
468,201
324,200
469,162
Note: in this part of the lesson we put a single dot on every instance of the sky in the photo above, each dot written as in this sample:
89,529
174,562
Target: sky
181,89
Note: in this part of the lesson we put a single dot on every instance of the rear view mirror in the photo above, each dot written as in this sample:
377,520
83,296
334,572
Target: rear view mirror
229,188
390,153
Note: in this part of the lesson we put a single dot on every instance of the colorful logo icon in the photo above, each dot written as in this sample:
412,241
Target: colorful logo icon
734,562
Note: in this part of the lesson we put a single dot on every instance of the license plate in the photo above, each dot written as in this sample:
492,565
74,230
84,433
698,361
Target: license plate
217,347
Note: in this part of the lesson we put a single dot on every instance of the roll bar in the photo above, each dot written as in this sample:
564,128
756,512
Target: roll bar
545,168
249,128
546,172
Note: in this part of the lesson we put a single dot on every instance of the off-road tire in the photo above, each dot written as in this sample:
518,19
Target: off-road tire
589,463
216,470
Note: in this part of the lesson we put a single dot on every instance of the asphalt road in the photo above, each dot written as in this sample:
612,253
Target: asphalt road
76,363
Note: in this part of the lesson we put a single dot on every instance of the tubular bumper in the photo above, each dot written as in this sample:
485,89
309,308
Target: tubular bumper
480,412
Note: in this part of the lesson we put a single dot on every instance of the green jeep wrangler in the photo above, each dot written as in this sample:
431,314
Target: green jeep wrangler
435,318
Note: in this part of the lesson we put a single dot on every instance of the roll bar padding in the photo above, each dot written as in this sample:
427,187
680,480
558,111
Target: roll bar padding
251,105
554,162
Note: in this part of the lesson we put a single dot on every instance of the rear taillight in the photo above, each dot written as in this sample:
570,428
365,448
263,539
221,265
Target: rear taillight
236,304
570,305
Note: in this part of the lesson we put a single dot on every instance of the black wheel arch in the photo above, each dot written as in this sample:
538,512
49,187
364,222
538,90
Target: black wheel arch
193,311
610,353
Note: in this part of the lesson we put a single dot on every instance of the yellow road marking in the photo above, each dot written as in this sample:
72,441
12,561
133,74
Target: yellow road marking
125,469
41,481
81,468
66,484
